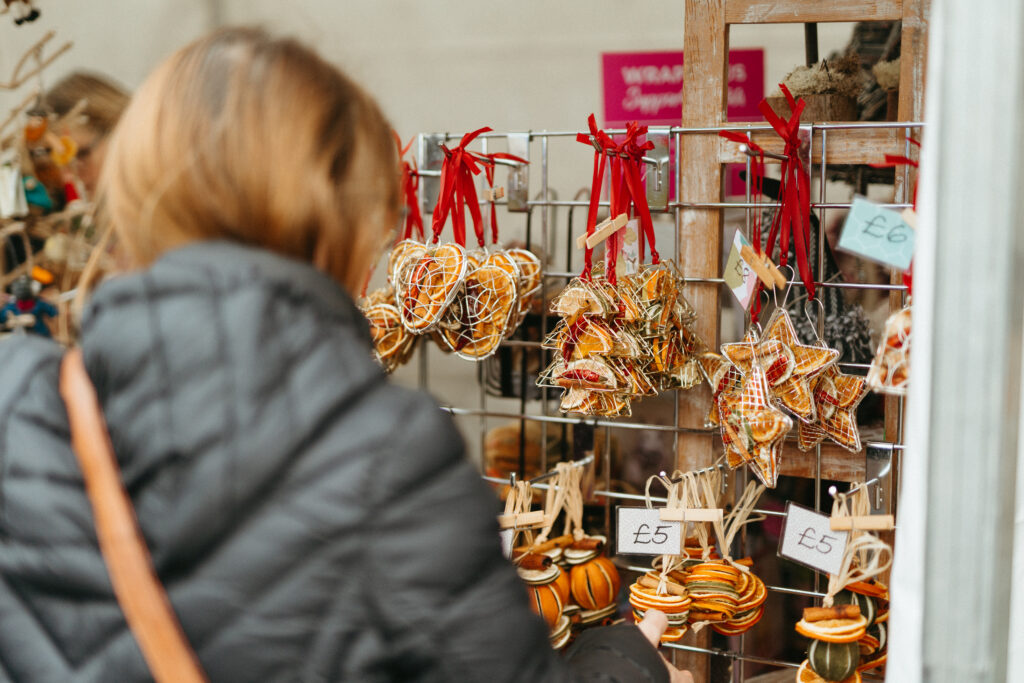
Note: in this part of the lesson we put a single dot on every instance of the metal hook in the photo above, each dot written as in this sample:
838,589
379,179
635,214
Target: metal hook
814,320
745,149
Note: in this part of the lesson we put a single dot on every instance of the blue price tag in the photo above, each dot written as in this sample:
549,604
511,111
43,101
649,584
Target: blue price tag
878,234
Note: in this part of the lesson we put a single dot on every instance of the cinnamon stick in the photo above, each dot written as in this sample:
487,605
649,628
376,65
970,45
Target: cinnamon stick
670,587
812,614
534,561
706,616
588,544
558,542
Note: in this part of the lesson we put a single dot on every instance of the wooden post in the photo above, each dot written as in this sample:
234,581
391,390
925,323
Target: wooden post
705,70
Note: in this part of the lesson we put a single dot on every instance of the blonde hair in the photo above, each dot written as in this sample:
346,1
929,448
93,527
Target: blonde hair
258,140
105,100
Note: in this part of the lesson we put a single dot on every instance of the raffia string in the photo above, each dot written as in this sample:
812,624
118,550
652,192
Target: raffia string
710,484
866,556
573,500
518,501
665,564
740,517
554,501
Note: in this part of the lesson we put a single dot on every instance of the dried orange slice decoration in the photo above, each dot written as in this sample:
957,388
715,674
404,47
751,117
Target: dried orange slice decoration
427,288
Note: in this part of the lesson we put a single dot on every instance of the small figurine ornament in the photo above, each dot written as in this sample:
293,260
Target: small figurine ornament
24,11
27,310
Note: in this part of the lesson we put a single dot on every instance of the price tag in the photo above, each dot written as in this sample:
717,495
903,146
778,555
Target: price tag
507,536
877,234
740,278
808,538
641,531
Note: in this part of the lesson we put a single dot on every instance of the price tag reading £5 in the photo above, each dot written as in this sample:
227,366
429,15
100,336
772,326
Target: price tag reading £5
807,538
641,531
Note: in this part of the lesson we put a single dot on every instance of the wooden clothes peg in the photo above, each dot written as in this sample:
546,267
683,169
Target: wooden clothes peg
766,270
603,231
863,523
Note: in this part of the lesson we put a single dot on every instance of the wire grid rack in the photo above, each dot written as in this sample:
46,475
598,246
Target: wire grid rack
542,222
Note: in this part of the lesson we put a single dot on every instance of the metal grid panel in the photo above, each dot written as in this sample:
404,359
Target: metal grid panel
818,154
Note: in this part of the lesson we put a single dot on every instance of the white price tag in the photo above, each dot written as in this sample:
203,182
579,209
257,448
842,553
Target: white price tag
641,531
507,535
808,538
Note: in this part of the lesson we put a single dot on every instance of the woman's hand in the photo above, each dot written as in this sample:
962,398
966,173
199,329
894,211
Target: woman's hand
653,625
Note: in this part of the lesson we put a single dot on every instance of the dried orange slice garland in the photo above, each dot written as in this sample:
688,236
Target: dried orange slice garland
890,368
468,300
626,331
392,343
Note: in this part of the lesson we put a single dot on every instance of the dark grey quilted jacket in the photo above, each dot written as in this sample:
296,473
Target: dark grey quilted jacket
310,520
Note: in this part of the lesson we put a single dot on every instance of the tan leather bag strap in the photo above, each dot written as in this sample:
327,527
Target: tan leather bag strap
139,592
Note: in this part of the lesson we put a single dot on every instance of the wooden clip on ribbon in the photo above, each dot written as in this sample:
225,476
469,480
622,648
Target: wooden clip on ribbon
602,232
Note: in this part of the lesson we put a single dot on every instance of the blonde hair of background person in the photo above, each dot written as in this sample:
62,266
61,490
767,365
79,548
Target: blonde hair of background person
322,188
105,102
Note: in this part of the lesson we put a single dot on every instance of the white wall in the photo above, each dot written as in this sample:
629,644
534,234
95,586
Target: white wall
439,65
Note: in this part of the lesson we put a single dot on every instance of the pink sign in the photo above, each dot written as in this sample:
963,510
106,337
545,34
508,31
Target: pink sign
648,87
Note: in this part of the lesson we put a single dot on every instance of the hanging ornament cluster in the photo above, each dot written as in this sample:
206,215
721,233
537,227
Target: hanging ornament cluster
571,581
700,587
890,368
47,234
468,300
848,633
625,332
759,385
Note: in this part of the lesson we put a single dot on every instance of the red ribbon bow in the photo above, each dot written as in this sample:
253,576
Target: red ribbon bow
638,196
626,189
458,190
794,214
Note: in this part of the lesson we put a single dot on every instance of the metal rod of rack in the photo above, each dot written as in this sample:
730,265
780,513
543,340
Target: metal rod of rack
574,420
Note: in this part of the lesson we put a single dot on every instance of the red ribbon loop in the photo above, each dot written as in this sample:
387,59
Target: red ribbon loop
600,141
410,184
488,161
794,214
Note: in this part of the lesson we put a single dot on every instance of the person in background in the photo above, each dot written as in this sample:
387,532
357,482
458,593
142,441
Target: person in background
105,101
308,519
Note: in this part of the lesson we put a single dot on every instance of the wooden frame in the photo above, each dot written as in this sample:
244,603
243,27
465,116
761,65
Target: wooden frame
705,74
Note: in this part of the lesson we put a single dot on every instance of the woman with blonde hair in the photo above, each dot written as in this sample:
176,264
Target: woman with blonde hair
307,519
104,102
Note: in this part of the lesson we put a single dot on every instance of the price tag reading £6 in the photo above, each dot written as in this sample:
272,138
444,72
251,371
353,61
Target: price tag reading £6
740,278
877,234
641,531
807,538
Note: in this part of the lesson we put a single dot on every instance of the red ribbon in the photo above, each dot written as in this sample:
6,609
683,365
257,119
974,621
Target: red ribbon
794,214
458,190
410,194
757,173
489,164
892,161
638,195
601,142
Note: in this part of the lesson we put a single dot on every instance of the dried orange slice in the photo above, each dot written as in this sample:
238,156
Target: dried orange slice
805,674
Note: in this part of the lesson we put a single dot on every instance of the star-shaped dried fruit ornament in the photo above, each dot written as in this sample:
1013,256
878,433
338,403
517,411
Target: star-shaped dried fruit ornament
722,376
836,398
790,367
753,429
